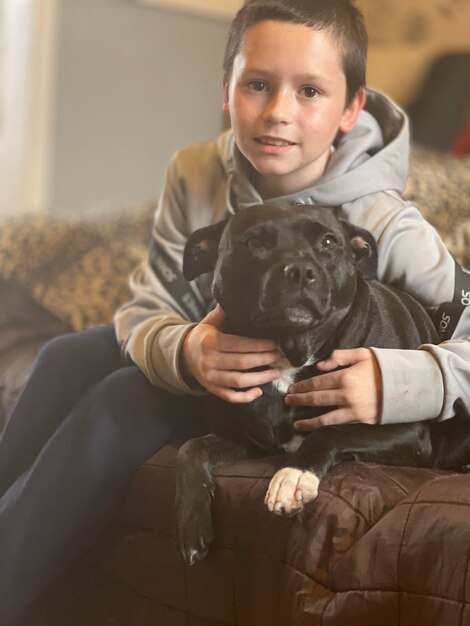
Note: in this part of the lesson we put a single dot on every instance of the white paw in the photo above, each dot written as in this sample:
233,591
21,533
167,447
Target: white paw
290,489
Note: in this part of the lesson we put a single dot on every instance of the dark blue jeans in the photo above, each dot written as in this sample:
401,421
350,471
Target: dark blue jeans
82,426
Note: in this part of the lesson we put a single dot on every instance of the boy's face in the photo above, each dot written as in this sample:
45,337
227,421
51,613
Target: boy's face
286,97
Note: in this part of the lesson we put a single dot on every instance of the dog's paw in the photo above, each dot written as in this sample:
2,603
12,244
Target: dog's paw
194,529
290,489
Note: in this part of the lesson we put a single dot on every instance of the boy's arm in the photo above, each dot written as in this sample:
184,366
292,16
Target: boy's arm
388,386
151,327
428,383
166,331
432,382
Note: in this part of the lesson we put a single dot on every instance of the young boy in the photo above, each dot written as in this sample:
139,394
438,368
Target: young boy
302,133
294,88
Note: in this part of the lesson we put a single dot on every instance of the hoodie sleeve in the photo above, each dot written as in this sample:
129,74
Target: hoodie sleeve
432,382
152,326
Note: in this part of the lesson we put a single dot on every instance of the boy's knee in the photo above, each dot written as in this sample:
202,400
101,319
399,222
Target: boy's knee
58,350
72,350
124,393
125,412
121,411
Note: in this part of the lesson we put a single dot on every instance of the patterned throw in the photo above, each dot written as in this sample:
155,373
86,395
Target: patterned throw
440,186
77,265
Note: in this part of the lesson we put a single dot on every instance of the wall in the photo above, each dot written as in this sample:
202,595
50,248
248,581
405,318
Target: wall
102,92
406,36
133,86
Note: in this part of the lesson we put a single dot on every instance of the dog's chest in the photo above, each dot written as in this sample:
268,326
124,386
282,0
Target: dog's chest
288,376
280,416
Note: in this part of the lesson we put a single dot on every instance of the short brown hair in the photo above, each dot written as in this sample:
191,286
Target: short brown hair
340,17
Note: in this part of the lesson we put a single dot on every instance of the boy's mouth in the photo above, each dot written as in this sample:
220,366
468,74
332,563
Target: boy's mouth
274,141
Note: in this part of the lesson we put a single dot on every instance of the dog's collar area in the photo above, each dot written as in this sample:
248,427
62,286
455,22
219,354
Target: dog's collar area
286,364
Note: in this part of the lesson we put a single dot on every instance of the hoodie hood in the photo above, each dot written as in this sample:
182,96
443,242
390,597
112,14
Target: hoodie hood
373,157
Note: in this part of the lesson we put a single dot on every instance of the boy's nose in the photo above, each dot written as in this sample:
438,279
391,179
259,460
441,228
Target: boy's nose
279,109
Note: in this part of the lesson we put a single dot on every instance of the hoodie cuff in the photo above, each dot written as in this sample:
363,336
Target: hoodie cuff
413,389
164,360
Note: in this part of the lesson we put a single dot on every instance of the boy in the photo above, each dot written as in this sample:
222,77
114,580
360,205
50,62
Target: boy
294,81
294,87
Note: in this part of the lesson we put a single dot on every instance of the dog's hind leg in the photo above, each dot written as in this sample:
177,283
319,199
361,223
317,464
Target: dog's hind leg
297,484
195,489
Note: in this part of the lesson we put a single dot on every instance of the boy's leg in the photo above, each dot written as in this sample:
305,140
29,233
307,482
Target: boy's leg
63,370
56,510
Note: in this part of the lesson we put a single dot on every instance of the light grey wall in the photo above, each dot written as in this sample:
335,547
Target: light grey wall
134,85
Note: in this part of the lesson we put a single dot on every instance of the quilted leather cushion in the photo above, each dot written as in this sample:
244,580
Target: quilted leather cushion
380,545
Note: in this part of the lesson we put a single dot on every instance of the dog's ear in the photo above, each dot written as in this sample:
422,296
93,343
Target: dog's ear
364,249
200,252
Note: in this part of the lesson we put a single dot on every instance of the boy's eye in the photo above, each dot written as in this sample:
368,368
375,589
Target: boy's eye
257,85
309,92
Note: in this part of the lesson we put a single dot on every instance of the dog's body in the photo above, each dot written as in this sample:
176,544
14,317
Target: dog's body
305,279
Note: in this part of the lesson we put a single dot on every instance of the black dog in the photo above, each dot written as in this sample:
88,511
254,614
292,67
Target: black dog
306,279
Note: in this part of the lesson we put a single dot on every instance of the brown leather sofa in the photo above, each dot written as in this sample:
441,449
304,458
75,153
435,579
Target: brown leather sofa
381,546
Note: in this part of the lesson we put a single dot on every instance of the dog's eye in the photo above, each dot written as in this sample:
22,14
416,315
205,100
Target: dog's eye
255,243
328,242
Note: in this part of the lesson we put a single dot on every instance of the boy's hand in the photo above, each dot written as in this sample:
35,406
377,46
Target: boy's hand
215,359
355,391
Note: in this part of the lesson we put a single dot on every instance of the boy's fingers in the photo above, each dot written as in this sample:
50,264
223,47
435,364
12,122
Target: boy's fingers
242,380
329,397
343,358
215,317
244,361
333,418
316,383
236,397
234,343
326,366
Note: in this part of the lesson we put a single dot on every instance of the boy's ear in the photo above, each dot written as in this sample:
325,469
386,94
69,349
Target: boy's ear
364,249
351,112
226,107
201,250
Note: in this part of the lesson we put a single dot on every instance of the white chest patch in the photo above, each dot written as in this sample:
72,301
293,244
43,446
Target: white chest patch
286,379
288,373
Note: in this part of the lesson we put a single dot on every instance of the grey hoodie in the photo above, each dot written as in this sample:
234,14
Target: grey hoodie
366,175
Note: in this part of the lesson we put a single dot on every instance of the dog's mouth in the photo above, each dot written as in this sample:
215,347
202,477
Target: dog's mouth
300,309
295,316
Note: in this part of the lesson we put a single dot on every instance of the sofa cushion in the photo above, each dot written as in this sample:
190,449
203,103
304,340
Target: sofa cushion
378,543
24,328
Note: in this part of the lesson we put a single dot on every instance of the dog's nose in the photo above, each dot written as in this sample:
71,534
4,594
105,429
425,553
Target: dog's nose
301,272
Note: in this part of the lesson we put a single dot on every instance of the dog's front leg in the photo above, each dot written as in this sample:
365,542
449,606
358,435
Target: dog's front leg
195,488
293,486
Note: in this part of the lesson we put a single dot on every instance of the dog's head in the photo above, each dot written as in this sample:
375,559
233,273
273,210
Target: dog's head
278,272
